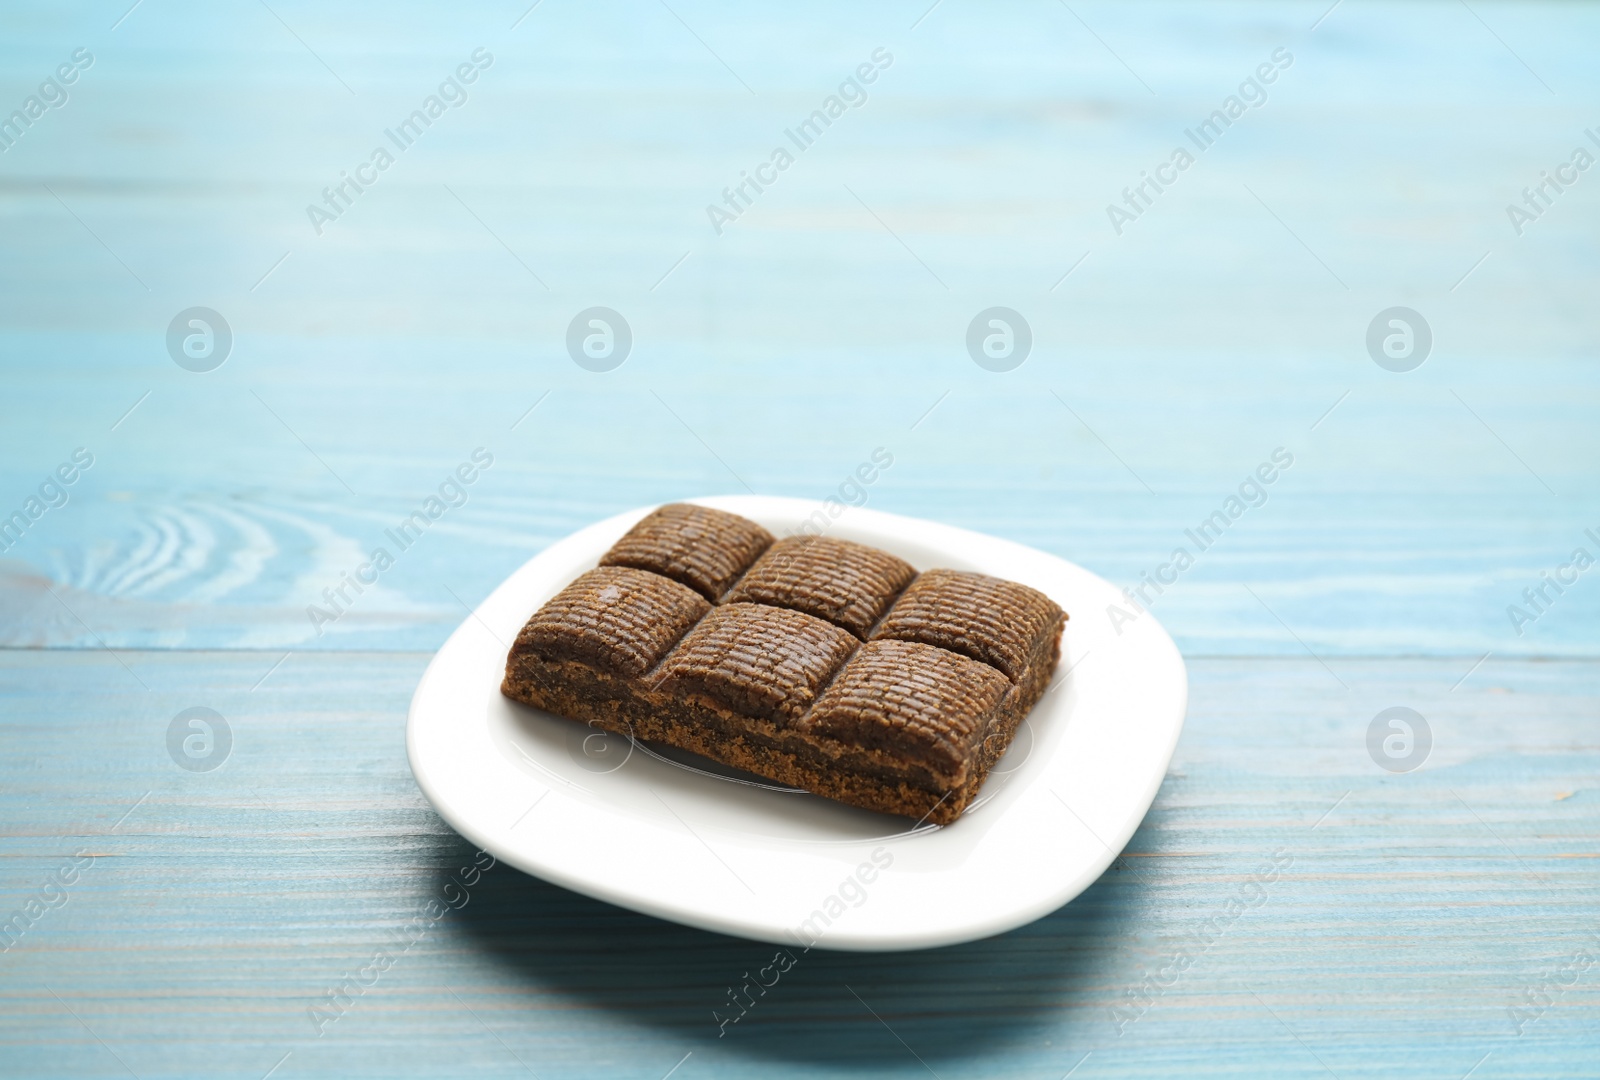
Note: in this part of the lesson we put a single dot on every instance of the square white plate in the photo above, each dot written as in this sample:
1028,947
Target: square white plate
682,839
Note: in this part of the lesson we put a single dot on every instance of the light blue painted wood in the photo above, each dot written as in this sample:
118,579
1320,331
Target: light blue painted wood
806,335
1411,913
1225,322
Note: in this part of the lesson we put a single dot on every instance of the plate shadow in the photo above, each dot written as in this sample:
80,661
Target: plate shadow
863,1009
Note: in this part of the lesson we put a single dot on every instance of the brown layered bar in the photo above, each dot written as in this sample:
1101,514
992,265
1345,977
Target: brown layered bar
814,662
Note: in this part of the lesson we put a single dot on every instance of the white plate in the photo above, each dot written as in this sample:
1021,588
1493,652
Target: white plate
621,823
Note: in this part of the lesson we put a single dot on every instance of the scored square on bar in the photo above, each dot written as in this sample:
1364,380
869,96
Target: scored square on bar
1000,622
916,702
617,620
696,546
848,584
758,661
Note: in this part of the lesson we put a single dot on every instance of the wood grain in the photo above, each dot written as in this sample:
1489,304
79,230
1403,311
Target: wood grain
828,321
780,354
1412,912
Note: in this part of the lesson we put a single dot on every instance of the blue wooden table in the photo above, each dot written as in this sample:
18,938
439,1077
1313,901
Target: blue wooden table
1198,218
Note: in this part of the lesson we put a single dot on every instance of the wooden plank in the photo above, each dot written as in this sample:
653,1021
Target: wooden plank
780,353
1423,916
1411,912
